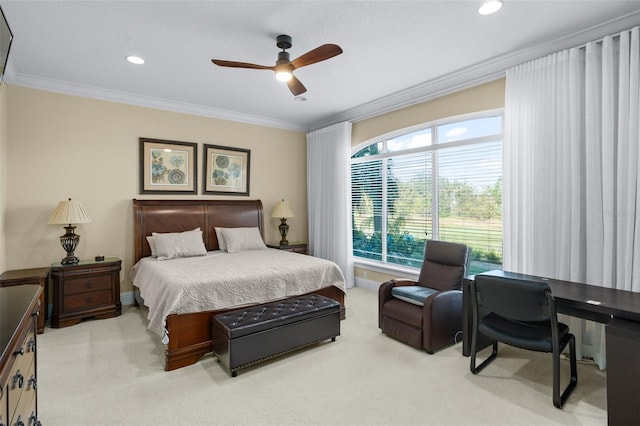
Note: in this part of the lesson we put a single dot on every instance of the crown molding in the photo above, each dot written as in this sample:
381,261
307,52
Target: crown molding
66,88
479,73
473,75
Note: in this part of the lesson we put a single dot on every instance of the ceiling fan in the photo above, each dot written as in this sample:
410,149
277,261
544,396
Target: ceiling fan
284,67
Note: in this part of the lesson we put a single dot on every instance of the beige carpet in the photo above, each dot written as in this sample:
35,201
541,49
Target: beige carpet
110,372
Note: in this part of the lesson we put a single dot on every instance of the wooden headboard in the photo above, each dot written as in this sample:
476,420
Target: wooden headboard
183,215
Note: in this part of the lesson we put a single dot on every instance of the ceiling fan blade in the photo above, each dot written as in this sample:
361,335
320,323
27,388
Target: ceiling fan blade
234,64
296,86
318,54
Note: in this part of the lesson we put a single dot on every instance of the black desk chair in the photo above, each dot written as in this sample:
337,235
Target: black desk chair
521,314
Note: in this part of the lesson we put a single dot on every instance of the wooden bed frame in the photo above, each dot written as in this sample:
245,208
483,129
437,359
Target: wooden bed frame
190,334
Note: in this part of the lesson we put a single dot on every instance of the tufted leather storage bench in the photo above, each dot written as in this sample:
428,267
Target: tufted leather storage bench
250,335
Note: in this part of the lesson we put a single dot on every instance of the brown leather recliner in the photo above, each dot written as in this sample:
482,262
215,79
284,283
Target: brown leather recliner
427,314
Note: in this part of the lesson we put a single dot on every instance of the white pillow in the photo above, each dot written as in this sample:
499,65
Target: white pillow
242,239
179,244
222,244
152,246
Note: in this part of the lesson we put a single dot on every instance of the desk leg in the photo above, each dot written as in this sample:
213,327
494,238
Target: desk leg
623,372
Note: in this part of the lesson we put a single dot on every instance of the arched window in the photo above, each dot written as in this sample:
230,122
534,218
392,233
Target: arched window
441,180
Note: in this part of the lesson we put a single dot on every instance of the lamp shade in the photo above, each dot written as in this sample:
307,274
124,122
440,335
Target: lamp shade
68,212
282,210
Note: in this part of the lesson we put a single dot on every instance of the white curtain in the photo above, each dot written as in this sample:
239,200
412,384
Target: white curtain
329,196
572,173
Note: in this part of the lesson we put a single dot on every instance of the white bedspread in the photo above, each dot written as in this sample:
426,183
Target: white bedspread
223,280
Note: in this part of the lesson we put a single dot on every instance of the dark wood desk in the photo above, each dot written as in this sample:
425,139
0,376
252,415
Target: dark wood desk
619,309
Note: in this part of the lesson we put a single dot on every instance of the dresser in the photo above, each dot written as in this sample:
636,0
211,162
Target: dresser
86,289
19,309
38,276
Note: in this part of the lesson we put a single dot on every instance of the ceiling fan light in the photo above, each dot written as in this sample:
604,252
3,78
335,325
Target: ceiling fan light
489,7
135,60
283,76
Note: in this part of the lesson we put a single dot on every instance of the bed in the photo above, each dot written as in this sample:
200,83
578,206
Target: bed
190,333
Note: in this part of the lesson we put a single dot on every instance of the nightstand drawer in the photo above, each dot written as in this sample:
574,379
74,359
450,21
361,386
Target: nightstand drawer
89,299
87,284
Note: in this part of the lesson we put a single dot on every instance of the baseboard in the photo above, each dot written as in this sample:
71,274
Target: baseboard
127,298
367,284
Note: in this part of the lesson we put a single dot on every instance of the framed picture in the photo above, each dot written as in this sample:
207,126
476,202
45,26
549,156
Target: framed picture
168,167
226,170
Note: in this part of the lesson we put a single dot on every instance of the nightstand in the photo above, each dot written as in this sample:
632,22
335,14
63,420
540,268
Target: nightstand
294,247
86,289
37,276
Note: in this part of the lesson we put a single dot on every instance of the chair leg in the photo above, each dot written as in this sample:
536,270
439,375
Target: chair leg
483,364
559,400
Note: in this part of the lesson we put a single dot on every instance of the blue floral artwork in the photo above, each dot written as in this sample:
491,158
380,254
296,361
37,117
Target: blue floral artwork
169,167
226,171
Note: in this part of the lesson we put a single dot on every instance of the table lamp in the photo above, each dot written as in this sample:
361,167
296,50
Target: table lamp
69,213
282,212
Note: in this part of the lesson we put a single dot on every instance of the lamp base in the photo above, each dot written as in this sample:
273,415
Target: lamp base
69,260
284,228
69,242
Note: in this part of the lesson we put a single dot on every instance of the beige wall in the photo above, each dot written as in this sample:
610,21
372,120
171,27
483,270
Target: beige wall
56,146
480,98
61,146
3,172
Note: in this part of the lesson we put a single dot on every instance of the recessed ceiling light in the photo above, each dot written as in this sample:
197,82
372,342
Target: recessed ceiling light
489,7
135,60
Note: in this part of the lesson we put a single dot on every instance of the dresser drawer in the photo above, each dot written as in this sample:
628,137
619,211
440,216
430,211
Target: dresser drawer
19,379
86,284
26,404
87,300
23,355
4,417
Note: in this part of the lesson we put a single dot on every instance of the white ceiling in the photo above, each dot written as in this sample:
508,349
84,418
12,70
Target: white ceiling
395,52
